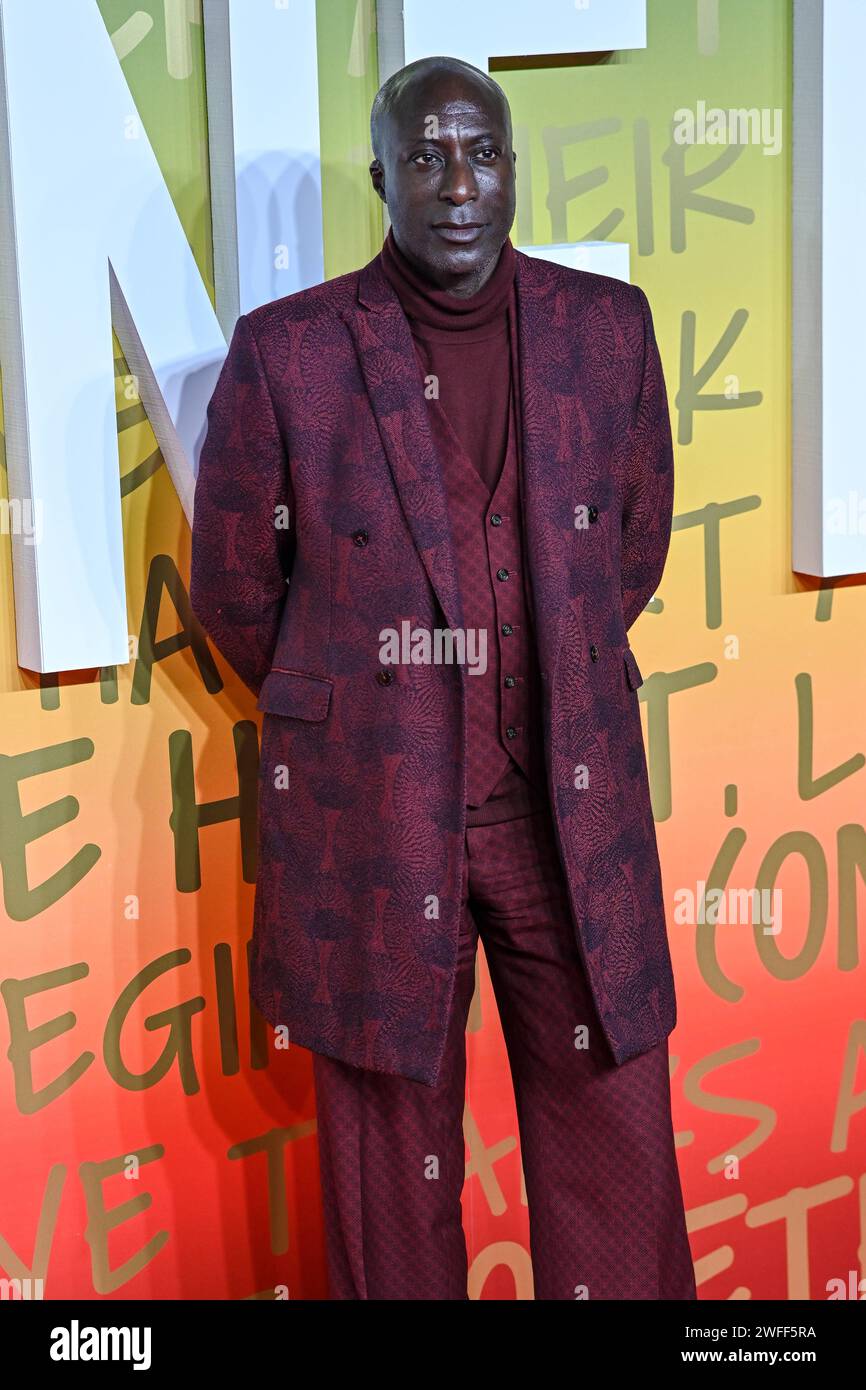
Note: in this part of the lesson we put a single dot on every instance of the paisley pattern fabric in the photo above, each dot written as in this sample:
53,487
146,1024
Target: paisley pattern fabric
321,520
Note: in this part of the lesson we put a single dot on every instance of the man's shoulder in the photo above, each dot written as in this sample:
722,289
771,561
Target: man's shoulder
323,302
582,286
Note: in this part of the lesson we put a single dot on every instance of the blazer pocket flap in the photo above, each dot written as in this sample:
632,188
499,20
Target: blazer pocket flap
296,694
632,670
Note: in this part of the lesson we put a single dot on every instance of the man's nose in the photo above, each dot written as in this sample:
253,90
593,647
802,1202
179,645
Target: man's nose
458,184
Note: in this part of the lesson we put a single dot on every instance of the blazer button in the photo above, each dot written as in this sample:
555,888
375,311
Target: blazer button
593,651
384,677
593,513
496,519
511,732
360,537
502,574
510,682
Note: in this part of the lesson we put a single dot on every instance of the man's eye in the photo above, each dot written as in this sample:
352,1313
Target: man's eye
424,154
489,150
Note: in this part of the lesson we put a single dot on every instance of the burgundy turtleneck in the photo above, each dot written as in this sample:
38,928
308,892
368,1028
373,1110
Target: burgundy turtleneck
465,344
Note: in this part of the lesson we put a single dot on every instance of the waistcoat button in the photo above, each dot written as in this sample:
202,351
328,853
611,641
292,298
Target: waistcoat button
593,513
360,537
593,651
384,677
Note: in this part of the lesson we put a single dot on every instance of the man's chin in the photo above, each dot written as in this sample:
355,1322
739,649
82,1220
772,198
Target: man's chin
454,259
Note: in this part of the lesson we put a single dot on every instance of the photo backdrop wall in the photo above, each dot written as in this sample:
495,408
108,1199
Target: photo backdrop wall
155,1143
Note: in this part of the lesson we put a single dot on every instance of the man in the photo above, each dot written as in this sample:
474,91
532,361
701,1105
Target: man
460,459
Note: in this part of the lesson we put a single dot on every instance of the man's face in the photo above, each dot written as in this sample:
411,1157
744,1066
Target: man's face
447,177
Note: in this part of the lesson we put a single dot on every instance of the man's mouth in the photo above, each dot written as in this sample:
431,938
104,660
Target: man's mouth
459,231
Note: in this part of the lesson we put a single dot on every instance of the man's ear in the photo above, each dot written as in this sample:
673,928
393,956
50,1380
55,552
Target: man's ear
377,178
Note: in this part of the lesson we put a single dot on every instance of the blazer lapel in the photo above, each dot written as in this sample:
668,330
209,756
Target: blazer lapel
550,419
550,414
395,386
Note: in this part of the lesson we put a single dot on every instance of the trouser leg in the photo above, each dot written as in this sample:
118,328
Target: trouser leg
392,1162
597,1144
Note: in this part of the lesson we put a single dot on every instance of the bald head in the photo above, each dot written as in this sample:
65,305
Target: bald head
444,165
427,73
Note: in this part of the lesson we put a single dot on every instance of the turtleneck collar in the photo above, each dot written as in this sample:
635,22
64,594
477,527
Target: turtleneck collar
435,307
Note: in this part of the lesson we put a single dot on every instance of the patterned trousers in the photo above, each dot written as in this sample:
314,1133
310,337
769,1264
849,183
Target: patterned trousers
606,1215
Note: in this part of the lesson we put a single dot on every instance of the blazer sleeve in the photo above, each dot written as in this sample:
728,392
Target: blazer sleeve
243,531
649,486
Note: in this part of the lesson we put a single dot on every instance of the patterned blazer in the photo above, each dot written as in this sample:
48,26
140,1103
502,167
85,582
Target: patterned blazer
320,520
